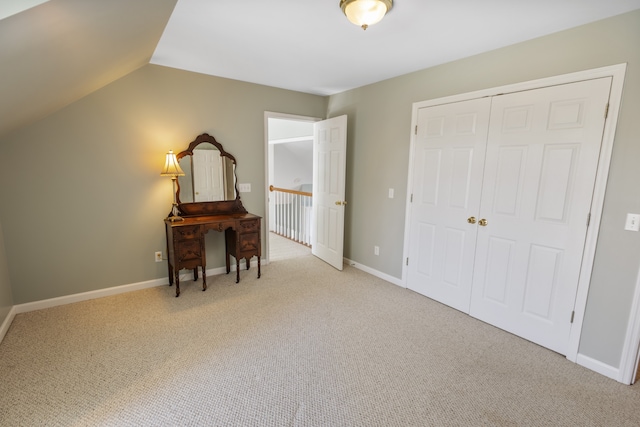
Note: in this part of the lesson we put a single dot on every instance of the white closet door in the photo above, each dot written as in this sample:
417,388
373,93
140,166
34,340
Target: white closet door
446,184
539,176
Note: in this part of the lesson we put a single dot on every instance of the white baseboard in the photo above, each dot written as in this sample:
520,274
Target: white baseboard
84,296
599,367
7,322
376,273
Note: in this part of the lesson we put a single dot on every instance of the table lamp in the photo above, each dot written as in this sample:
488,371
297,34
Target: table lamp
172,169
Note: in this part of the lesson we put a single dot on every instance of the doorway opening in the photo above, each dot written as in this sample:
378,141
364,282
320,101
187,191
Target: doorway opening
289,192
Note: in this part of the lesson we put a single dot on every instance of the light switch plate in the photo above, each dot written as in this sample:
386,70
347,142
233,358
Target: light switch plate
633,222
391,193
244,188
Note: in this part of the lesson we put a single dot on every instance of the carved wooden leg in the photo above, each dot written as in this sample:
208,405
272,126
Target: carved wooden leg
177,279
248,263
237,270
170,274
204,279
195,274
258,267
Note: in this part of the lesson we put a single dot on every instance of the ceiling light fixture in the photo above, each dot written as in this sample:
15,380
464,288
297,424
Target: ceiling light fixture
365,12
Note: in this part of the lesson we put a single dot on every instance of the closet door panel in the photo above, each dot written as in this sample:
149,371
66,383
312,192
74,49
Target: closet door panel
446,182
540,168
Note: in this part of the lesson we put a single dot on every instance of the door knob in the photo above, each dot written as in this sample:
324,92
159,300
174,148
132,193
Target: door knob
471,220
341,203
482,222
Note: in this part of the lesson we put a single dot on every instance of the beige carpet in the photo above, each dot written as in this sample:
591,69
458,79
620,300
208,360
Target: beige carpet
305,345
281,248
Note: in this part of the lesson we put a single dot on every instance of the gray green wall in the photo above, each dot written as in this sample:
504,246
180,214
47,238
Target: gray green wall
378,153
6,298
84,201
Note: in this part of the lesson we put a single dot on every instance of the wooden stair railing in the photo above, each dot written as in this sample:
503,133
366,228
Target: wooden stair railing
292,211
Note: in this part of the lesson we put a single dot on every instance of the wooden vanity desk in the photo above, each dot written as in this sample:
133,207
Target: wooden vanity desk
186,237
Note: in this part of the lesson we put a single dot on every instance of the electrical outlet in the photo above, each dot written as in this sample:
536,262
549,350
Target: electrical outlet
159,256
376,250
391,193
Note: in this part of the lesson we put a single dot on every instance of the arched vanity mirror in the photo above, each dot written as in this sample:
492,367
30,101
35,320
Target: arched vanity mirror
209,185
209,174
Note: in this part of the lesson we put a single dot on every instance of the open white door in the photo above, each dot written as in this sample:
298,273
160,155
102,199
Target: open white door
329,166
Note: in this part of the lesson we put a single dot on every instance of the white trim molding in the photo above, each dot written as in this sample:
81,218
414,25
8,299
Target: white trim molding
597,366
85,296
7,322
630,351
115,290
376,273
266,220
617,73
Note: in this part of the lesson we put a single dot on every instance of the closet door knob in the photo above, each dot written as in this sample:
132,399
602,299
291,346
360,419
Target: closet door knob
471,220
482,222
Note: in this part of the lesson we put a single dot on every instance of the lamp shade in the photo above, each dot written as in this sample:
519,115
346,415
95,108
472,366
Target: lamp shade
365,12
171,166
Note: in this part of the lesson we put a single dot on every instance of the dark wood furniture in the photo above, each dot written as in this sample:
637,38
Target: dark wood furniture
185,238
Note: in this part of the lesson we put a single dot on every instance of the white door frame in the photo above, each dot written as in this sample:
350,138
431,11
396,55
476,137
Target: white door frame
273,115
617,72
630,360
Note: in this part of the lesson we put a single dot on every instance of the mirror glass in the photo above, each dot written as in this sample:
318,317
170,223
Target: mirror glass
210,175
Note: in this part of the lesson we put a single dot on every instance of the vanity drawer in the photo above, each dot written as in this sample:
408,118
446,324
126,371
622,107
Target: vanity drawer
189,251
249,226
250,242
188,232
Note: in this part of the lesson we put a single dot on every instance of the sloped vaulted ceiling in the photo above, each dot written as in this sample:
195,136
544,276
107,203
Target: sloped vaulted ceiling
57,52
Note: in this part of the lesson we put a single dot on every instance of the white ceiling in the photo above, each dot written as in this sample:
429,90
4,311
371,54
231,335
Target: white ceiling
11,7
309,46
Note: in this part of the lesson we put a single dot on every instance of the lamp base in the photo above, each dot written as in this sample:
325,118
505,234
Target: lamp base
174,214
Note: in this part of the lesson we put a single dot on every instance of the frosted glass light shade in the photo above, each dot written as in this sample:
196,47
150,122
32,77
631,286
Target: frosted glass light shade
171,166
365,12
